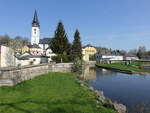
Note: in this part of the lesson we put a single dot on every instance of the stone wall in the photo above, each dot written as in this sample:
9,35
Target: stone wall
14,75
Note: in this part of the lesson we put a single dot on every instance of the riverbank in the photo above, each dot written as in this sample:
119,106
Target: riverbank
53,93
122,67
100,98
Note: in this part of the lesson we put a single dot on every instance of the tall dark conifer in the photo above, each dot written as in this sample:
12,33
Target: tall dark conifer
60,43
77,46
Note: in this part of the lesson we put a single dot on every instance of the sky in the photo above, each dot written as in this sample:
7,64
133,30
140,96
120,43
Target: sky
116,24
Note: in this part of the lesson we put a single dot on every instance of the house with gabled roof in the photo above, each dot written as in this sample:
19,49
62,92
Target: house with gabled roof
88,51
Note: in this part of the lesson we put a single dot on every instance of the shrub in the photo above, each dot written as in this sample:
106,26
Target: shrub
92,58
77,65
31,62
56,59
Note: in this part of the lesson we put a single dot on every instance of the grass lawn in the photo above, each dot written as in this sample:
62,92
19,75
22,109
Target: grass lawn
122,66
49,93
136,63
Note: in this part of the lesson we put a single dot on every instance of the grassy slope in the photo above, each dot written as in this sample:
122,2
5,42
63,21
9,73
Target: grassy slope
122,66
51,93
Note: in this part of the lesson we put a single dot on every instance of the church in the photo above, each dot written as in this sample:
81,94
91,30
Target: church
38,48
35,35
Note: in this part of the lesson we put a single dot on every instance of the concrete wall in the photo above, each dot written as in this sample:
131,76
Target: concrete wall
12,76
7,58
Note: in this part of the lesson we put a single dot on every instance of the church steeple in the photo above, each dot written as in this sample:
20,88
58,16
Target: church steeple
35,35
35,22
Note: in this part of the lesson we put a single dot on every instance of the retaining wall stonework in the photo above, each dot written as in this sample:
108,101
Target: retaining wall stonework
14,75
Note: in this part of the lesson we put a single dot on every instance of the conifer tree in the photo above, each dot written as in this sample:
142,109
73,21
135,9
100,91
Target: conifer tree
77,46
60,43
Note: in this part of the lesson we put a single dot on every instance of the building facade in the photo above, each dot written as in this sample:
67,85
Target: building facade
7,57
88,51
108,58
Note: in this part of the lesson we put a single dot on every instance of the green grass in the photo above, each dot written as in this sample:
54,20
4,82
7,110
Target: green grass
122,66
136,63
50,93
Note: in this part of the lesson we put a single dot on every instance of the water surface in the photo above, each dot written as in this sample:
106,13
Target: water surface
131,90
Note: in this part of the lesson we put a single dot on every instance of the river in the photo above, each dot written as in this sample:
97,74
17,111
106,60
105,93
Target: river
132,90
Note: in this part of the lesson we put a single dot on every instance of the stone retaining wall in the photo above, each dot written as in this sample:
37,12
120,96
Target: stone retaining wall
14,75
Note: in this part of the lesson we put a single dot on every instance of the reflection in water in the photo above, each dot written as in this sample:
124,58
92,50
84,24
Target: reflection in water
89,73
131,90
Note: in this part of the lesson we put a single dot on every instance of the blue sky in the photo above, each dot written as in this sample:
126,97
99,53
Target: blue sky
117,24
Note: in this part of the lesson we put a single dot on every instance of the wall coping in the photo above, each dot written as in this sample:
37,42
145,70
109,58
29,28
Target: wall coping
30,66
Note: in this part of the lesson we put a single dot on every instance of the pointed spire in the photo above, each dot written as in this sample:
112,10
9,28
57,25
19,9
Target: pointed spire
35,22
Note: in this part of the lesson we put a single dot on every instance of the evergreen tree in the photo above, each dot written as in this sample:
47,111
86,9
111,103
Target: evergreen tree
141,52
77,46
60,43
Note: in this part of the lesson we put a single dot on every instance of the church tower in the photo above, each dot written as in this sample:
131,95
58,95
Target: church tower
35,35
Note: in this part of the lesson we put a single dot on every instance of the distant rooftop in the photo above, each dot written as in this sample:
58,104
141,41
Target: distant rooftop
27,55
88,45
33,46
112,53
45,41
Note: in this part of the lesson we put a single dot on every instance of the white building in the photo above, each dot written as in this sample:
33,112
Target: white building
130,57
108,57
112,57
42,44
7,58
28,59
35,35
50,54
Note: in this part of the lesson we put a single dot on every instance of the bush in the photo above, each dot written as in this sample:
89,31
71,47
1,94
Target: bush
65,58
92,58
31,62
77,65
57,59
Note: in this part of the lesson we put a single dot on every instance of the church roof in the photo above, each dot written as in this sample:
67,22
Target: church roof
45,41
35,22
33,46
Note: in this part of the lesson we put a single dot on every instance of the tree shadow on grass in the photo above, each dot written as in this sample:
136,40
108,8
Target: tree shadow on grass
52,107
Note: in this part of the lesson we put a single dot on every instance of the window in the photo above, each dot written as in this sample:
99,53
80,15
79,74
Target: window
34,31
